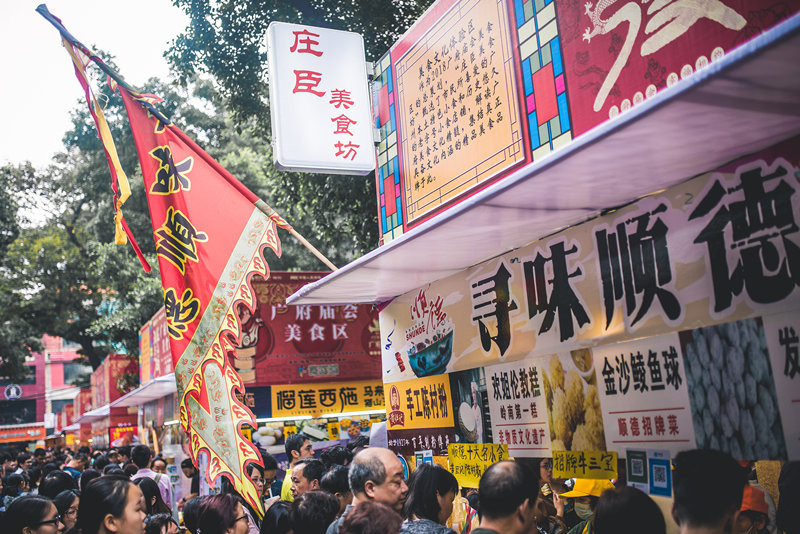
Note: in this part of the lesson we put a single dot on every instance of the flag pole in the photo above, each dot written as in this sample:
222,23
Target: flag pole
272,214
260,204
52,19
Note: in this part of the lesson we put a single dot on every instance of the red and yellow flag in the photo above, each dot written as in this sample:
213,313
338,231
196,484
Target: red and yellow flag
211,234
210,240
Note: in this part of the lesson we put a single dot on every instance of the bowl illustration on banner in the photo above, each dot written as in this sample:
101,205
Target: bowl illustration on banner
467,423
433,358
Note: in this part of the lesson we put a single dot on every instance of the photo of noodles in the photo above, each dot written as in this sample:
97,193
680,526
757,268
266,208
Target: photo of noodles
573,403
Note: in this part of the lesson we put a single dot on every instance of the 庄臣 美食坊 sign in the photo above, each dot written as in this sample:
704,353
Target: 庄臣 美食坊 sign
319,100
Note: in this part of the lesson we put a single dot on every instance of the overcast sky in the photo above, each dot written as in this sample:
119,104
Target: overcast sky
39,88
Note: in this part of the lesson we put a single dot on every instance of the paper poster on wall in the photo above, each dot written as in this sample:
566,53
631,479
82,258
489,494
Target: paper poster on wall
325,398
469,462
406,442
598,465
783,340
734,404
419,403
574,415
518,408
470,409
427,345
644,394
123,435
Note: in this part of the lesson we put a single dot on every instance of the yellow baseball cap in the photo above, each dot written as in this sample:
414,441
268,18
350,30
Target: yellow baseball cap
585,487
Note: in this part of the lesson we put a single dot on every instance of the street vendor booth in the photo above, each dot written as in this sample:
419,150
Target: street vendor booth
590,247
93,406
313,370
292,363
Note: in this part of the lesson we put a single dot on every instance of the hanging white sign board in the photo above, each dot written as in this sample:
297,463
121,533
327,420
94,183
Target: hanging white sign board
319,100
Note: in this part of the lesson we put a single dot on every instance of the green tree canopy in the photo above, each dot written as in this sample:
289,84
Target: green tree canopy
61,275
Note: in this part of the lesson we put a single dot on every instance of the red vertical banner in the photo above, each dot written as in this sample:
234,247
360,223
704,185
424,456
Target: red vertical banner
210,238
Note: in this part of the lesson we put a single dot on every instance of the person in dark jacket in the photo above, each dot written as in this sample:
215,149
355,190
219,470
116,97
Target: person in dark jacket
508,492
627,510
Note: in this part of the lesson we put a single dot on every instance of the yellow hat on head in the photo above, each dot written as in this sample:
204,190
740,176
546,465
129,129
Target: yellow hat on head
585,487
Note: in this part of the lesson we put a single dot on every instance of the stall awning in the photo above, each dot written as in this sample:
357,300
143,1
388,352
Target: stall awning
155,389
748,100
71,428
94,415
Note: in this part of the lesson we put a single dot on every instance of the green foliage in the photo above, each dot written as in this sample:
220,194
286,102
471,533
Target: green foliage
9,225
17,339
17,336
63,276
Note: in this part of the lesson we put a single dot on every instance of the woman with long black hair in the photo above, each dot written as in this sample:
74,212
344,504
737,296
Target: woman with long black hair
31,514
221,514
431,491
111,504
153,501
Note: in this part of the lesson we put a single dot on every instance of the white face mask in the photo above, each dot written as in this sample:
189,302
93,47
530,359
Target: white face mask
583,510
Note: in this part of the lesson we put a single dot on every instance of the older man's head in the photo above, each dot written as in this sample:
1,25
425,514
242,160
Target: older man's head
376,474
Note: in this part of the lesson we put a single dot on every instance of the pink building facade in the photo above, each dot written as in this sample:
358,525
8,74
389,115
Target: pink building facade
23,401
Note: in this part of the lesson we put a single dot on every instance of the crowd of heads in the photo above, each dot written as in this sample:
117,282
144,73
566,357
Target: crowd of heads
58,491
366,490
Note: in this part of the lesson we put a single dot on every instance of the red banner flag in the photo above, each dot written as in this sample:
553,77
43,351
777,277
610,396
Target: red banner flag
210,239
211,234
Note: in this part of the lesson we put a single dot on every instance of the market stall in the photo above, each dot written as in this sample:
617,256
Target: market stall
310,369
594,264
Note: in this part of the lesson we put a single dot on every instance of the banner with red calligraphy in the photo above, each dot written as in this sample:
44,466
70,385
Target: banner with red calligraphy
617,54
319,100
283,344
210,238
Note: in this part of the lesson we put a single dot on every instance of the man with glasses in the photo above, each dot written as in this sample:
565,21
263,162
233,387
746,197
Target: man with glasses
376,475
272,484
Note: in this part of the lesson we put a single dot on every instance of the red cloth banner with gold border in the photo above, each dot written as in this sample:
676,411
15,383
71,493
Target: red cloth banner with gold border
210,240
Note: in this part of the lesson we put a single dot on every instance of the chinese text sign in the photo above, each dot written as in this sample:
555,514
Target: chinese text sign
319,100
468,462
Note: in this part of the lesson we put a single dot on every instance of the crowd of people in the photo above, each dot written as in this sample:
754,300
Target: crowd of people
363,490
